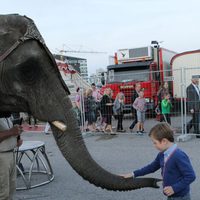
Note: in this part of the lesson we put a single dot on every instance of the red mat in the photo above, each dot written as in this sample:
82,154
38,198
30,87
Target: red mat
38,128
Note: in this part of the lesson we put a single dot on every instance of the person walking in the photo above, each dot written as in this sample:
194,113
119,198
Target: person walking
166,106
30,121
135,95
97,96
77,99
140,105
90,109
47,128
118,108
193,99
163,90
176,169
96,93
106,110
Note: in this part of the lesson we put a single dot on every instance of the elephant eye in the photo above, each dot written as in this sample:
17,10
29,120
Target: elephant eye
28,73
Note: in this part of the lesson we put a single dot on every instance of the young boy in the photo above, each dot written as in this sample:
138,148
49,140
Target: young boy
176,169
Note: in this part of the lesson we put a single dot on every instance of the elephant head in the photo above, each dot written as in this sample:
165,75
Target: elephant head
31,82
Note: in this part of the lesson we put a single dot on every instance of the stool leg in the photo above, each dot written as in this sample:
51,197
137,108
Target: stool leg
32,164
47,160
27,185
37,163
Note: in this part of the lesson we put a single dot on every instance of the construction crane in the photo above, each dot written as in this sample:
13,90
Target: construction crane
67,49
78,51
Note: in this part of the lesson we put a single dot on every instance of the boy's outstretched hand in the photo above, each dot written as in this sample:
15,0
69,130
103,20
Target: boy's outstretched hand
129,175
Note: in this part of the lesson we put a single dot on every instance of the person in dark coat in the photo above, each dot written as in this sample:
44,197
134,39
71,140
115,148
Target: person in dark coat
135,95
193,99
90,109
106,110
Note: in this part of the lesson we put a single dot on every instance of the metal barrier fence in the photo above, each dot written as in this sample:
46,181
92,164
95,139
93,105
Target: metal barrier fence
178,82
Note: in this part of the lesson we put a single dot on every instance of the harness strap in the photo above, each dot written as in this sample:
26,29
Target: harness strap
12,48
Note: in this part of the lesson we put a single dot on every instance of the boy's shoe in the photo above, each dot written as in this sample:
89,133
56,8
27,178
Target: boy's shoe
139,133
142,131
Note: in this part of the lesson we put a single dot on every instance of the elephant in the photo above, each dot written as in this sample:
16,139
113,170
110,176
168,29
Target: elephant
31,82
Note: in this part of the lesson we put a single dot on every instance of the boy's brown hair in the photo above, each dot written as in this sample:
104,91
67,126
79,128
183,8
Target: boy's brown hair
161,131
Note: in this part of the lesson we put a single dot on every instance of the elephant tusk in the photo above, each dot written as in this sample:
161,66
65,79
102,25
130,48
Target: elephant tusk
60,125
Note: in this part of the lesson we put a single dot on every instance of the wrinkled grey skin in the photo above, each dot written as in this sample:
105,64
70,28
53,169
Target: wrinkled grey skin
30,82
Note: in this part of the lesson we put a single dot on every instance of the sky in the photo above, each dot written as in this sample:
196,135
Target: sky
109,25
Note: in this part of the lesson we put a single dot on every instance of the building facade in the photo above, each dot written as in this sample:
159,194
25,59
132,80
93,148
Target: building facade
79,64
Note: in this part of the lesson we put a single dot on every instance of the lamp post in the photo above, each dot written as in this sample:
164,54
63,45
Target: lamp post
157,46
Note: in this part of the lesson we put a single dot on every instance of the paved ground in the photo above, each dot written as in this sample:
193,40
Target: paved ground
118,154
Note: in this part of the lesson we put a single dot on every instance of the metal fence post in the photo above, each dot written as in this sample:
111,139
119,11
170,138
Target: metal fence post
185,106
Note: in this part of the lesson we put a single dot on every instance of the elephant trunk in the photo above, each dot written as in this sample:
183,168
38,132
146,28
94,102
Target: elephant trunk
75,152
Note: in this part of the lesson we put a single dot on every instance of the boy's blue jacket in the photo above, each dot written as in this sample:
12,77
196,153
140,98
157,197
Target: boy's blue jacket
177,172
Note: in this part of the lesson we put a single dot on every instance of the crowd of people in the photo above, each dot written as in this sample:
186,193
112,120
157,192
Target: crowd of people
97,111
88,108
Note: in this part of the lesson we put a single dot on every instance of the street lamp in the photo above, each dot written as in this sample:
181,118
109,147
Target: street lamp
157,46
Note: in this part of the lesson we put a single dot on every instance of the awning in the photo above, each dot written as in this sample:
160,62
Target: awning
130,65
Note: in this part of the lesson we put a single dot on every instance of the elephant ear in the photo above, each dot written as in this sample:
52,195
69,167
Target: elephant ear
57,70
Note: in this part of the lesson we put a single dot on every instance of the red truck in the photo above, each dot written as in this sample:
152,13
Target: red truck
148,65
